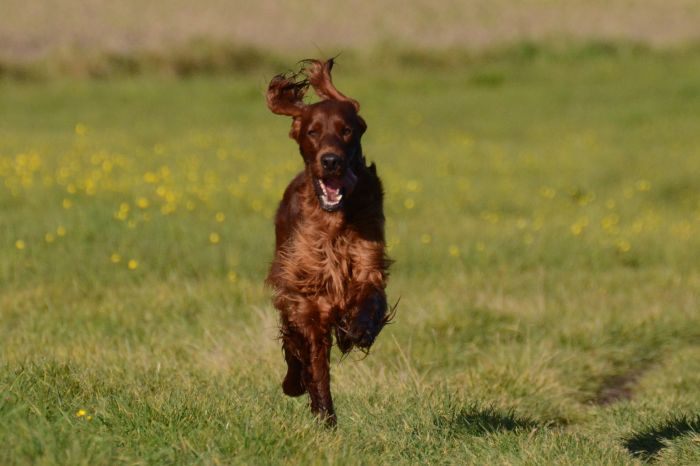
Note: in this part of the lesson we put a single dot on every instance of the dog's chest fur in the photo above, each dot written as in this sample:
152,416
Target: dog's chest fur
329,256
319,258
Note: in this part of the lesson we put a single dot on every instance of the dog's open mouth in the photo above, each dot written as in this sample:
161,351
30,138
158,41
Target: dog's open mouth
332,191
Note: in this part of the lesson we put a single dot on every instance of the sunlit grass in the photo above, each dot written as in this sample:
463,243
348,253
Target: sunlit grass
544,224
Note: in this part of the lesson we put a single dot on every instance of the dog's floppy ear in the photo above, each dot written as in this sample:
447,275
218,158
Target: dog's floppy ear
285,96
319,76
361,123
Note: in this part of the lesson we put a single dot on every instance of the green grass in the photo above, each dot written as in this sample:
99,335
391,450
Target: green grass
543,214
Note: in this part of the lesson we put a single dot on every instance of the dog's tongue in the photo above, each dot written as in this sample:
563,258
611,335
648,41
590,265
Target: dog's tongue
333,187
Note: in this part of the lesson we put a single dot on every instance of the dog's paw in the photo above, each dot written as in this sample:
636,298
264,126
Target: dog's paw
370,319
360,325
343,340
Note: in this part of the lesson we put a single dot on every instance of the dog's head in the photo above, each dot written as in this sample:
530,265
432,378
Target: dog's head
328,132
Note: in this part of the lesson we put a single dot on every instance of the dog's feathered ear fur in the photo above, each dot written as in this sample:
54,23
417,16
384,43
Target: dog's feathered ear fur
285,93
319,76
285,96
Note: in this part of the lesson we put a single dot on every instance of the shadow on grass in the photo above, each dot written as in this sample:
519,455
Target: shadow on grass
647,443
478,420
620,387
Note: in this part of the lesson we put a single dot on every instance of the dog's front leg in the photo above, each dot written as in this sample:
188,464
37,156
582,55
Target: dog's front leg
317,377
364,319
295,351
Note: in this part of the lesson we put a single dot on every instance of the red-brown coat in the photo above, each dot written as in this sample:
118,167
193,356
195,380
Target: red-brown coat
330,268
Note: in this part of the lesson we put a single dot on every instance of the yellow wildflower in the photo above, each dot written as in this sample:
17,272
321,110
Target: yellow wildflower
623,245
412,186
80,129
547,192
578,227
643,185
150,177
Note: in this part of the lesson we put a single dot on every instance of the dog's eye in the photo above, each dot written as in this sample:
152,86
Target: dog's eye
312,133
346,132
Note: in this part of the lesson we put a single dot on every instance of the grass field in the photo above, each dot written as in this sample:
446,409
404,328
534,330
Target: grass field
543,212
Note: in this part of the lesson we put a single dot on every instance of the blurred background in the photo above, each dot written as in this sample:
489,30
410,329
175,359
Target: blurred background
73,32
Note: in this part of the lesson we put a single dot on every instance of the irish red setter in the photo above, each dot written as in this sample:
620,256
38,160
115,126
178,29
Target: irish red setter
330,269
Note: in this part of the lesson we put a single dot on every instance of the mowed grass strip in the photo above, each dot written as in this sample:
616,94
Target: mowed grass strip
543,215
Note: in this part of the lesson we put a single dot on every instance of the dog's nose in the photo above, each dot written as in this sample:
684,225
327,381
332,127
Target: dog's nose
332,164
